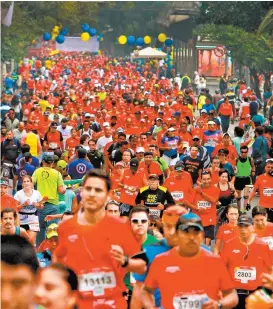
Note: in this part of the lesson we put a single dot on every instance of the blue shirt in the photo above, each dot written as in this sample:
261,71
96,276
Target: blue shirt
170,142
78,168
44,258
35,161
208,107
151,252
8,82
27,169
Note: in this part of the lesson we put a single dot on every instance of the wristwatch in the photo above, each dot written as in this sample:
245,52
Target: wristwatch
126,261
220,306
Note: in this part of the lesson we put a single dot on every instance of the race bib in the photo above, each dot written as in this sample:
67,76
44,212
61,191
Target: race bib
203,205
189,301
34,227
53,145
269,241
154,212
268,192
97,282
245,274
177,195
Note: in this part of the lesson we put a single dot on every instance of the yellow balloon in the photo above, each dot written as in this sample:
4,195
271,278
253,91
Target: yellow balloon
85,36
162,37
147,39
122,39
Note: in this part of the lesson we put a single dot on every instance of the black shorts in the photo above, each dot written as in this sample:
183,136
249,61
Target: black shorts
25,226
125,210
241,182
209,231
270,214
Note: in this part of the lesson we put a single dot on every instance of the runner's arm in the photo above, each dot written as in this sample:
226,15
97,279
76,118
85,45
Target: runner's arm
136,302
228,301
147,297
217,246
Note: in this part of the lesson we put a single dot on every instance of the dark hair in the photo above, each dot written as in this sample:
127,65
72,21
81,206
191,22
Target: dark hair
239,131
223,172
68,213
81,154
16,250
123,143
122,134
215,158
153,146
68,275
148,153
25,148
258,210
97,173
8,210
83,138
259,130
244,147
139,208
205,173
113,203
92,140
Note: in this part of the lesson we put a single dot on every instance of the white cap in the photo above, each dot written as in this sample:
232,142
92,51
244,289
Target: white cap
172,129
54,81
163,77
140,149
141,87
211,122
204,111
106,124
87,115
152,103
162,104
80,81
142,120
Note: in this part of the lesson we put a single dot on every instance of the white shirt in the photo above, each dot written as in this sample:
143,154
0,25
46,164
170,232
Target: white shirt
21,197
102,141
18,134
66,132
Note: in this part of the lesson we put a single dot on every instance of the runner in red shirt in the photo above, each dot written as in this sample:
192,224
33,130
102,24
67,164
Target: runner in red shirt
72,142
97,246
246,257
228,230
188,274
149,166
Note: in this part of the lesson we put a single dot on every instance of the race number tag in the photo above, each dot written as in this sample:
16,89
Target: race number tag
189,301
34,227
268,191
177,195
269,241
154,212
53,145
97,282
203,205
245,274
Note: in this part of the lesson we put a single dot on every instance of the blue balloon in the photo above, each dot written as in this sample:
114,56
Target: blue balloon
131,40
92,31
60,39
85,27
169,42
47,36
64,31
139,41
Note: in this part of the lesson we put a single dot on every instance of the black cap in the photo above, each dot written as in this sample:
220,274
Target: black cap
54,124
27,155
153,176
245,220
64,120
82,150
179,166
137,113
134,163
189,220
48,158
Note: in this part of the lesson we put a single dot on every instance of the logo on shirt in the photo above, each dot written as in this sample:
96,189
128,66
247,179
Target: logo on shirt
45,174
172,269
227,232
236,251
81,168
73,238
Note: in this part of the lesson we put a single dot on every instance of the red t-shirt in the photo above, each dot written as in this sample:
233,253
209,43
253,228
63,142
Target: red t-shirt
178,277
7,201
264,183
226,232
266,235
246,264
86,250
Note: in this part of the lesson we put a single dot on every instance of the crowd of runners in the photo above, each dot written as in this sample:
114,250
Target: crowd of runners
121,188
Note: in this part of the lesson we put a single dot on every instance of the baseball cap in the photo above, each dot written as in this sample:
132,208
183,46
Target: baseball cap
204,111
87,115
158,119
106,124
48,157
82,150
64,120
172,214
211,122
62,164
4,182
53,124
162,104
142,120
137,113
61,108
51,231
186,221
172,129
153,176
134,163
140,149
179,166
56,116
245,220
177,114
29,126
46,113
195,137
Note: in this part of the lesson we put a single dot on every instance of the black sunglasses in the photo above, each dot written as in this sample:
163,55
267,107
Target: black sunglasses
137,221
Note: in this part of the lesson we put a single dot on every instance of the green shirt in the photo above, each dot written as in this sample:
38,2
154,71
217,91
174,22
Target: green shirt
162,163
149,240
48,180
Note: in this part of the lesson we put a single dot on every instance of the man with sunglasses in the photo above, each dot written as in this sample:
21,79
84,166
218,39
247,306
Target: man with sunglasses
188,276
264,184
246,257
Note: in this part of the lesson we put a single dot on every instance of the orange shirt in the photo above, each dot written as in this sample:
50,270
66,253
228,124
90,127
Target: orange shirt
232,153
264,183
178,276
246,269
266,235
226,232
153,168
206,210
225,109
86,249
132,180
180,189
71,143
7,201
